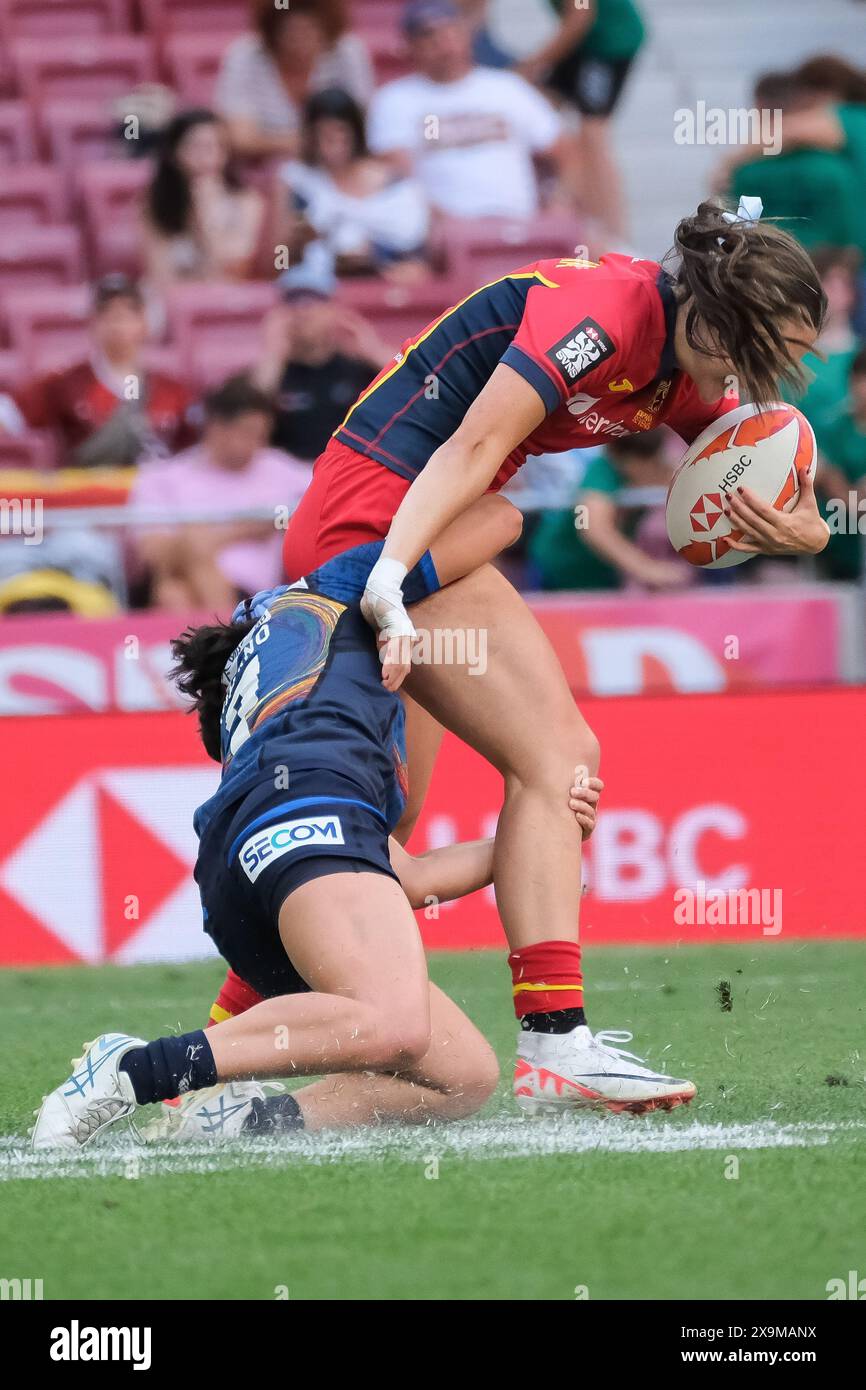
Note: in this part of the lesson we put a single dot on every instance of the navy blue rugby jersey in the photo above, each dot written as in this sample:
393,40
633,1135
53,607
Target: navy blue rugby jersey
304,690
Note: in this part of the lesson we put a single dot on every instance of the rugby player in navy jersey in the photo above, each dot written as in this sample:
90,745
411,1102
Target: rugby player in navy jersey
300,890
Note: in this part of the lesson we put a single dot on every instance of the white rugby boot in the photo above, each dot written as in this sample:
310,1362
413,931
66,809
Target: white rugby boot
579,1071
218,1112
95,1096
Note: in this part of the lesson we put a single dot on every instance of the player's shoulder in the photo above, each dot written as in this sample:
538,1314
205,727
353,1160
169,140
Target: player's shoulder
624,289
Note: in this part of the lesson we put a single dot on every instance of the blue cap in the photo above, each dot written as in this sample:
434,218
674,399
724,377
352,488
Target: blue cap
423,14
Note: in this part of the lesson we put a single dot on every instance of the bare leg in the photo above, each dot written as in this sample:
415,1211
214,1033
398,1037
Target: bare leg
521,716
354,940
423,741
456,1076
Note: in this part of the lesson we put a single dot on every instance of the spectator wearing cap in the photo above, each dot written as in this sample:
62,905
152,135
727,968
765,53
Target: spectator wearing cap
200,222
368,216
110,409
267,75
317,357
469,133
210,564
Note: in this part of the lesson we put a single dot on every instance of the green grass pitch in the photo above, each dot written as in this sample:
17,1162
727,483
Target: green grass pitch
498,1207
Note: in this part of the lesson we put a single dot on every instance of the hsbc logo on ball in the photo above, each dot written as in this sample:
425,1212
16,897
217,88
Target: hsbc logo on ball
706,514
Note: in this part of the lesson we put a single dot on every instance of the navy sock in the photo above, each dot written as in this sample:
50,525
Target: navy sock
170,1067
562,1021
274,1115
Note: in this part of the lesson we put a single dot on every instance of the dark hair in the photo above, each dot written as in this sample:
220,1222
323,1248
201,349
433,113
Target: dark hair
826,258
200,658
235,397
334,105
644,445
169,197
827,73
778,89
858,366
330,15
738,280
116,286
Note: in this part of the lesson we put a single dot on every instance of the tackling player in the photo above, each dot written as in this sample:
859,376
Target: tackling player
557,355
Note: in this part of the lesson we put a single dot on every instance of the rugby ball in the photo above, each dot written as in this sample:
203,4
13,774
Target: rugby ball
761,449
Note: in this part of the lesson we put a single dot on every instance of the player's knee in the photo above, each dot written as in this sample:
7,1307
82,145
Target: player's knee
478,1082
402,1043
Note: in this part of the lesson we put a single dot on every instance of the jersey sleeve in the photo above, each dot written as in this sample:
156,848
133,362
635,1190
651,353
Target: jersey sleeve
574,338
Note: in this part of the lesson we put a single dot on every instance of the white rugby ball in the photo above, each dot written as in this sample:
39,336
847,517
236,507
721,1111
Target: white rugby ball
763,450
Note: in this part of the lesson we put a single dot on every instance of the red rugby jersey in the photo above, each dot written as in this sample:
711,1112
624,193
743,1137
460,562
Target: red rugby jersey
594,339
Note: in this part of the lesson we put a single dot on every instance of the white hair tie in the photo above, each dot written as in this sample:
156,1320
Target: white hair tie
748,210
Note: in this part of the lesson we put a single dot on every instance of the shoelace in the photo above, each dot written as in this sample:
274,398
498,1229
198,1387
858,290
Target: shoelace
605,1037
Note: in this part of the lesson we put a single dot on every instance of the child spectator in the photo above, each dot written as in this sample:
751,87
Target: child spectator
368,216
210,565
200,223
604,545
268,75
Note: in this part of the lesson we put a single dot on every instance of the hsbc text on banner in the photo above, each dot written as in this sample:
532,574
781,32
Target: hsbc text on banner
707,798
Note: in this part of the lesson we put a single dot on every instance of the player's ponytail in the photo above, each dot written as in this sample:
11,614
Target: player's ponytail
200,655
741,280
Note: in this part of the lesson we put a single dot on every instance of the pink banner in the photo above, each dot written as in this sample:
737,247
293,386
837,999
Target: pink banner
622,645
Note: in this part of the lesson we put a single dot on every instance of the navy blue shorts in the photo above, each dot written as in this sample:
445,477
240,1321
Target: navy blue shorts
267,845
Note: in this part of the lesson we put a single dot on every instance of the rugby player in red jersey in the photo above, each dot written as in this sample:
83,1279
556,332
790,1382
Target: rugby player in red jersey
555,356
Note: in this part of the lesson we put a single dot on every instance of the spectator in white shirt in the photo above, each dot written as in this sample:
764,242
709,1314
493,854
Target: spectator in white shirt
267,75
367,216
468,133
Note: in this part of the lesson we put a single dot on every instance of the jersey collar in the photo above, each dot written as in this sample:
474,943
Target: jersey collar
668,359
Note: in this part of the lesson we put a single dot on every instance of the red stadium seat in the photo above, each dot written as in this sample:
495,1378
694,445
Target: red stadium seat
17,137
75,69
35,256
48,327
486,248
194,16
32,195
20,19
390,56
33,449
11,369
111,194
377,16
192,62
397,312
78,131
202,314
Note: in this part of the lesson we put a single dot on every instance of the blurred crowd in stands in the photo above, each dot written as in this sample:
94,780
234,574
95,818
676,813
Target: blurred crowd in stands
221,217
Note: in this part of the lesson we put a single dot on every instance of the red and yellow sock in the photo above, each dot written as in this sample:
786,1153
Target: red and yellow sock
547,981
234,998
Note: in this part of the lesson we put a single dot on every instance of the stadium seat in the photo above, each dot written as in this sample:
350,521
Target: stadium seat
78,131
11,369
194,16
111,193
17,137
191,63
486,248
202,314
389,54
33,449
21,19
47,327
397,312
214,361
32,195
75,69
40,256
371,17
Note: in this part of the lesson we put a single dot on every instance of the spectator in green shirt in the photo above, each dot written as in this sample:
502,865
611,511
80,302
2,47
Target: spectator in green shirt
602,545
817,194
836,348
587,62
842,471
